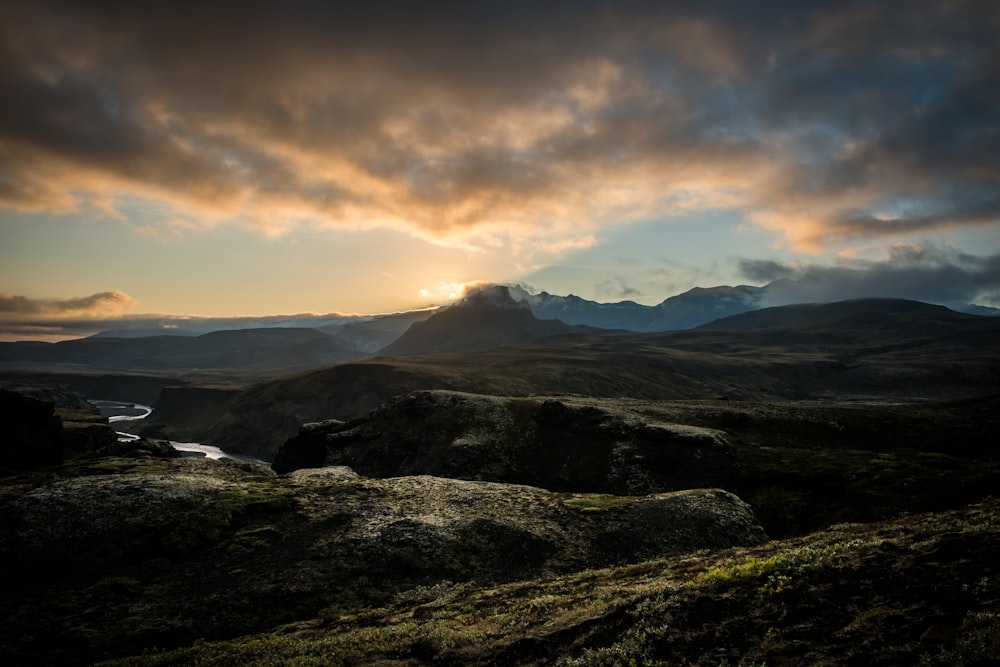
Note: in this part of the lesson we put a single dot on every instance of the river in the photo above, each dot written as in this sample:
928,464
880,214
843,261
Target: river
121,413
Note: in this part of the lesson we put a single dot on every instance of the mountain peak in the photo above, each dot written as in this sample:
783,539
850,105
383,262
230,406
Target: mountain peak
486,318
494,296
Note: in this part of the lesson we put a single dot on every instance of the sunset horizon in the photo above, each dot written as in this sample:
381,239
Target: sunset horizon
252,160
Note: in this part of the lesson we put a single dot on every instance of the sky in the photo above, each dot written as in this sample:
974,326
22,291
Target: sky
257,158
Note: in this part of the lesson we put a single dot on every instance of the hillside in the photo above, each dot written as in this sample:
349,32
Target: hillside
860,317
876,355
239,349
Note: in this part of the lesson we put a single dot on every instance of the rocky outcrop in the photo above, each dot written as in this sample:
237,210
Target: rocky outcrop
544,442
142,448
256,550
88,435
44,425
308,448
31,434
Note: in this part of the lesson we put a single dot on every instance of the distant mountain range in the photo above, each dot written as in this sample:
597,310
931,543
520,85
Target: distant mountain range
684,311
493,316
695,307
241,349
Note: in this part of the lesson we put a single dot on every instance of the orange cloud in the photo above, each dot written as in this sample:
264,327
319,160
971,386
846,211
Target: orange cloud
545,124
103,304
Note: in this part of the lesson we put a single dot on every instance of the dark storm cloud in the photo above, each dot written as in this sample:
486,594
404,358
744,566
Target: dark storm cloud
764,270
617,288
824,121
923,273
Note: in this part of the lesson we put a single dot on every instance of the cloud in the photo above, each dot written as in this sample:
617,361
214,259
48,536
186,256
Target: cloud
449,292
823,122
103,304
765,270
920,272
616,288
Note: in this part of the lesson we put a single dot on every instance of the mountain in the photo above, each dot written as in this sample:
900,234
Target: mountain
576,310
705,304
242,349
693,308
683,311
842,316
369,335
487,318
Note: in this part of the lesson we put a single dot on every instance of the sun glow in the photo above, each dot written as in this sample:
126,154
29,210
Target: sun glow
445,292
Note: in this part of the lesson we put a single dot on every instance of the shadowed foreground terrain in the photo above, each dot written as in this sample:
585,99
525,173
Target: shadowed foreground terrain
588,499
231,564
921,590
193,561
116,555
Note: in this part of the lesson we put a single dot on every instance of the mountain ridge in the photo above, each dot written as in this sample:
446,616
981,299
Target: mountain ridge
364,335
954,358
486,318
250,349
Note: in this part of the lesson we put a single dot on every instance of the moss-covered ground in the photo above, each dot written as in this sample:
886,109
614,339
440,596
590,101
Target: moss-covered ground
923,589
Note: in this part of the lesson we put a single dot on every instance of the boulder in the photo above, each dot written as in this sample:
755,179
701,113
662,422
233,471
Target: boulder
166,551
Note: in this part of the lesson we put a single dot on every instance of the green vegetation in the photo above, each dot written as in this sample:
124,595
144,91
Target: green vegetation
852,594
596,502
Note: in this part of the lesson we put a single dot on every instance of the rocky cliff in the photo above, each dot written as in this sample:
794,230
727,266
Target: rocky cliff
30,432
544,442
801,466
43,424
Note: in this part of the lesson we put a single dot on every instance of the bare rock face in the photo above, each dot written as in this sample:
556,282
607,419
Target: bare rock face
307,449
31,435
41,425
221,550
87,434
542,442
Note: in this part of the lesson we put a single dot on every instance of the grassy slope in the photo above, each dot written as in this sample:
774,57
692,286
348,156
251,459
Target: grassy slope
267,414
924,589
